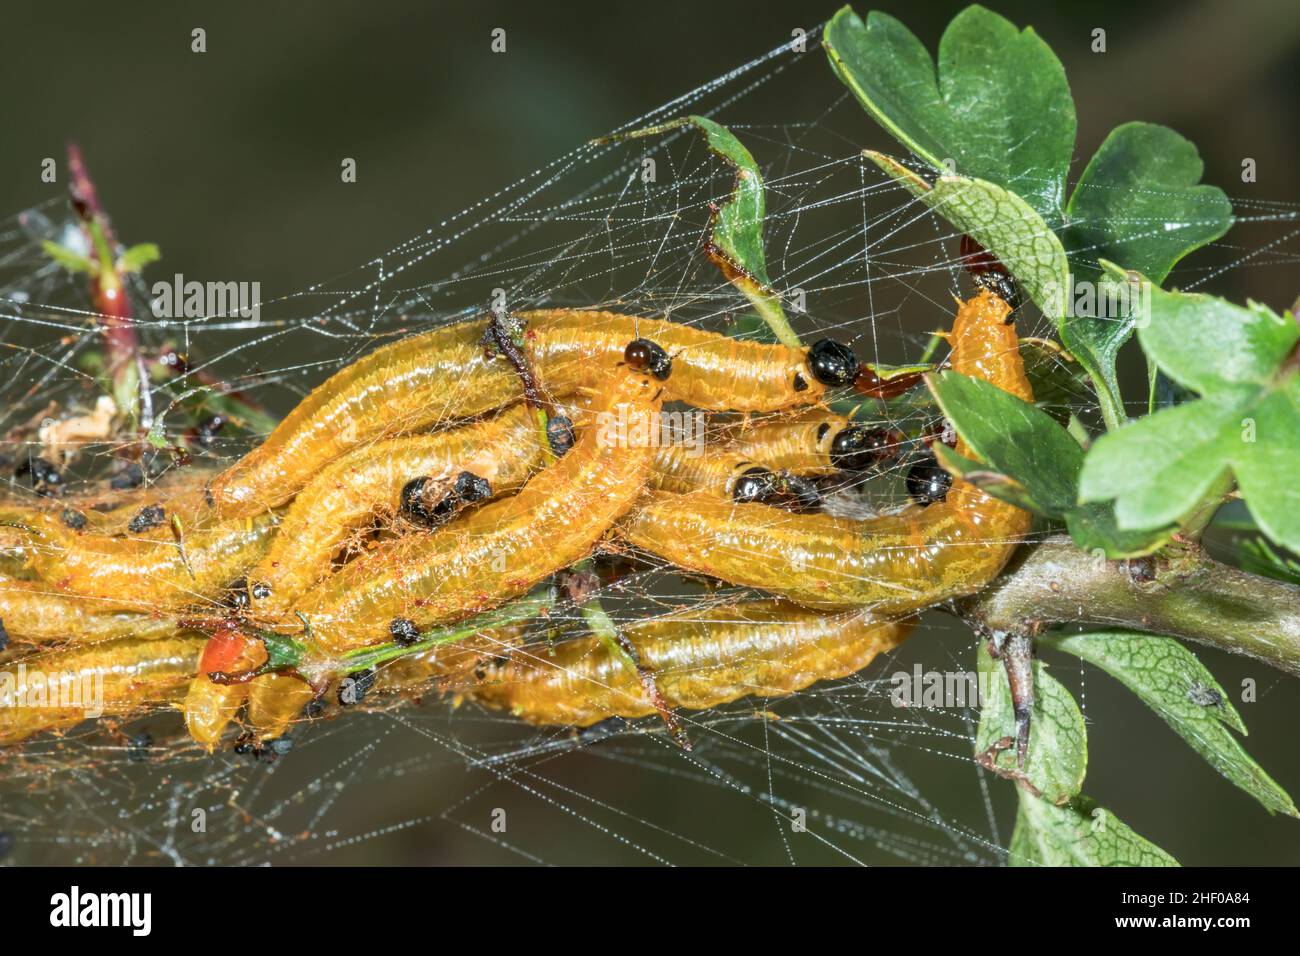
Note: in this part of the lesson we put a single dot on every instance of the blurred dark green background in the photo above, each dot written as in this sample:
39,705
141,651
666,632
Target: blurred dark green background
230,162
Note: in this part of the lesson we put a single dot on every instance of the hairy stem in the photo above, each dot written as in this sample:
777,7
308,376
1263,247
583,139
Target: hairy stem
1184,595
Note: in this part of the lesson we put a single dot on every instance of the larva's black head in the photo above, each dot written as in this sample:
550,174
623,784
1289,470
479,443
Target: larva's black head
404,632
927,482
858,448
756,484
470,487
646,356
832,363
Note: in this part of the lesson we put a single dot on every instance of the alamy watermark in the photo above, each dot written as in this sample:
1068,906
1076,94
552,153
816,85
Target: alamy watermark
202,300
633,429
935,689
1106,298
130,910
66,690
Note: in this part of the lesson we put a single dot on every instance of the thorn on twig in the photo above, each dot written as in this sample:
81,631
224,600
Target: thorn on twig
1016,651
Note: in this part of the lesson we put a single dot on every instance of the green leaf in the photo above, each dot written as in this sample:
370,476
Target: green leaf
1164,467
1209,344
1001,222
72,261
1058,743
1159,468
1056,377
998,109
1171,681
1093,527
1082,833
736,239
752,327
1016,438
137,257
1031,462
1138,203
999,485
998,104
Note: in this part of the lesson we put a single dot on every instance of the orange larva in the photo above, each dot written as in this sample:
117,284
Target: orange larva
37,613
146,575
892,564
700,658
502,549
447,374
368,483
122,678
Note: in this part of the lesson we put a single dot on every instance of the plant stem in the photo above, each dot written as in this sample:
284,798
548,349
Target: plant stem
604,629
1184,595
525,609
768,305
129,385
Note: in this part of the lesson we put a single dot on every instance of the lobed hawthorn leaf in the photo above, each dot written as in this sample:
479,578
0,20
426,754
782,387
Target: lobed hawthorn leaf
1058,743
1000,221
1138,202
997,107
1176,685
1246,423
1031,462
1081,833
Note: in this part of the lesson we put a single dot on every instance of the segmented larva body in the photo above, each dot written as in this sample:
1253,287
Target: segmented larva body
147,575
700,658
682,470
710,371
892,564
447,374
402,387
801,444
116,678
503,451
500,550
180,492
275,701
36,613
